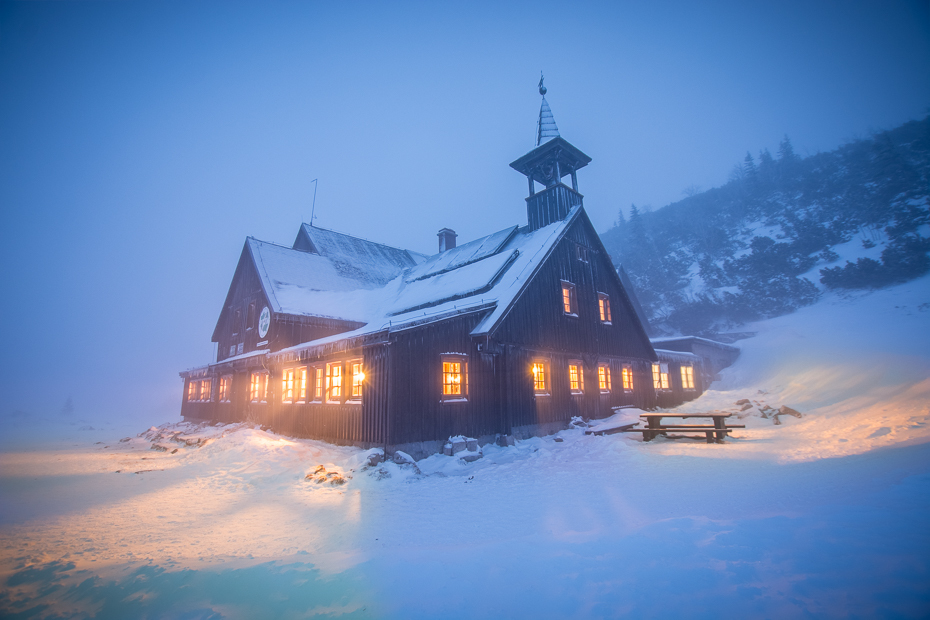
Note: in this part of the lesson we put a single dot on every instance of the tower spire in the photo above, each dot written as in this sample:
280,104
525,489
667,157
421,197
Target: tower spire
545,128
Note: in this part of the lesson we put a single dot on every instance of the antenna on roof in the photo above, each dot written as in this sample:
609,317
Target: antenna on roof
313,208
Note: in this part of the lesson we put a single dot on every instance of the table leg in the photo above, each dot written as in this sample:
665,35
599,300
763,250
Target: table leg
719,423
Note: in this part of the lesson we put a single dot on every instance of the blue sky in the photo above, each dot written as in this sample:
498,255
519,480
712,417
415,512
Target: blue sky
140,143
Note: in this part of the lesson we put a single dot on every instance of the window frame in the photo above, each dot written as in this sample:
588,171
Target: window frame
578,389
206,390
603,308
541,387
626,377
453,358
687,378
603,379
258,386
331,383
581,253
354,382
287,386
302,385
319,383
659,378
192,391
225,393
570,308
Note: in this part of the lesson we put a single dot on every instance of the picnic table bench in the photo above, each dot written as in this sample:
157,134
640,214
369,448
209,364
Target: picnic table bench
713,432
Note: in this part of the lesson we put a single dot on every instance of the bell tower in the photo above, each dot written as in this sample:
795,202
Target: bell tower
553,159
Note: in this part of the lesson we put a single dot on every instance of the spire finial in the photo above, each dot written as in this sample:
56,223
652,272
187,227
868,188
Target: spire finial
545,126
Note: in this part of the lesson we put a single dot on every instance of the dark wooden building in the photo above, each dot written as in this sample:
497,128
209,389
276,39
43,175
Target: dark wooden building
353,342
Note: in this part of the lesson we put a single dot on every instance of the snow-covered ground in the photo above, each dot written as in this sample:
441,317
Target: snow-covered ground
821,516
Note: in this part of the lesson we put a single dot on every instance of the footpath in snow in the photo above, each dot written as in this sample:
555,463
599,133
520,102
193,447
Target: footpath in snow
821,516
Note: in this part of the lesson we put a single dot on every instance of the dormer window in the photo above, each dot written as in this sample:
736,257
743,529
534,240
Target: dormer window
569,299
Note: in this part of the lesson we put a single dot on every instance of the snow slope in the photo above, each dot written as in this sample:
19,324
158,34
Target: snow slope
823,516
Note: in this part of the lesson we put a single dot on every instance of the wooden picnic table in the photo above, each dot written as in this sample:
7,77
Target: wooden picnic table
713,432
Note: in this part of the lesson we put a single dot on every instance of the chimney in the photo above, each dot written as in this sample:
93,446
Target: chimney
446,239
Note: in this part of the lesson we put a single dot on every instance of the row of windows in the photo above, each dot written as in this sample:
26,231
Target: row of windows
338,382
541,377
570,302
660,377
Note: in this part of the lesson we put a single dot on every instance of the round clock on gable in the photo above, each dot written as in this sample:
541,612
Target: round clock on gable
264,322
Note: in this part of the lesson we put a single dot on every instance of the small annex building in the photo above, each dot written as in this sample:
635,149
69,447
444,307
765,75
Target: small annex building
354,342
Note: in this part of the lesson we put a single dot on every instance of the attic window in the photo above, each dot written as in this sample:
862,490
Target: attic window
250,317
454,377
569,299
540,376
627,374
687,377
603,378
237,322
660,376
582,253
603,306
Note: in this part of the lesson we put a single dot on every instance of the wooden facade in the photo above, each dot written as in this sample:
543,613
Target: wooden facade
540,330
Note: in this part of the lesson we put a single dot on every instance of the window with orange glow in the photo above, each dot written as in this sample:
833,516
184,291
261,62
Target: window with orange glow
225,389
454,377
627,374
287,386
357,378
660,376
603,378
206,389
569,303
334,382
302,385
687,377
192,390
603,306
575,377
258,387
318,383
541,376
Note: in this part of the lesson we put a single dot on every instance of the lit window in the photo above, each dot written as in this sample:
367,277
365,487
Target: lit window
318,384
627,373
660,376
541,376
603,306
258,387
302,385
454,377
225,388
687,377
334,382
193,390
287,386
206,389
575,377
357,378
603,378
569,303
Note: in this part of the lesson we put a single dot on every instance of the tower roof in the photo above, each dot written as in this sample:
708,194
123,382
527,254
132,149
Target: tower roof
546,128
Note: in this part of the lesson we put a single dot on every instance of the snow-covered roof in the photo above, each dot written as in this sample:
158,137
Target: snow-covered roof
692,339
358,258
485,275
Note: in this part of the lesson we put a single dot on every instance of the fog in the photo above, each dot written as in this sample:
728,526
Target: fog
141,143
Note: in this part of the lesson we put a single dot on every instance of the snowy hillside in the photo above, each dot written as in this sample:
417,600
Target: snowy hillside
822,516
781,231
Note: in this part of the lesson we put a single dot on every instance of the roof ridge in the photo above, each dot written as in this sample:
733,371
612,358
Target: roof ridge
339,232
